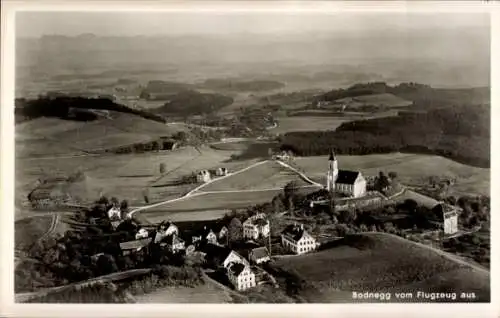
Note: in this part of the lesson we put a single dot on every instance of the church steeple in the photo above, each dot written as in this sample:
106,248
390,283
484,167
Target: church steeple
332,156
333,171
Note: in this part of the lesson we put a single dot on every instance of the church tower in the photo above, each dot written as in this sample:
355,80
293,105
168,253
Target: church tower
333,172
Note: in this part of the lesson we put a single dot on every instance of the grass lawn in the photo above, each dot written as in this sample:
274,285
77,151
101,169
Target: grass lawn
269,175
386,99
307,123
206,293
27,231
209,206
411,169
375,262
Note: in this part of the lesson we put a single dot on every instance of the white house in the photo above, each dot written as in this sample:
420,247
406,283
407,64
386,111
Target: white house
297,240
234,257
114,213
221,172
203,176
164,230
241,276
450,222
259,255
256,227
174,243
349,183
142,233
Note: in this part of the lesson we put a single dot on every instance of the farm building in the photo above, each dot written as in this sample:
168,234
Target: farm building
174,243
114,213
350,183
297,240
221,171
203,176
142,233
165,229
233,257
259,255
48,197
256,227
114,224
241,276
134,246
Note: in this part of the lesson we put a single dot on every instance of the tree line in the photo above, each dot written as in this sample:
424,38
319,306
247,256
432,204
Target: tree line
461,133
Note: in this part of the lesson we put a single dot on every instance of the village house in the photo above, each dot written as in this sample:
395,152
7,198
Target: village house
346,182
134,246
114,224
259,255
450,223
114,213
233,257
203,176
142,233
223,233
256,227
165,229
174,243
241,276
221,172
297,240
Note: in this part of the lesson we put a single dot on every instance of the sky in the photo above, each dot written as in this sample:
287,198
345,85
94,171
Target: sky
36,24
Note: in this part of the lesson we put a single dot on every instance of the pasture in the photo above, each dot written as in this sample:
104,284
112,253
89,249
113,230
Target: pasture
207,205
307,123
377,262
27,231
267,175
206,293
385,100
411,169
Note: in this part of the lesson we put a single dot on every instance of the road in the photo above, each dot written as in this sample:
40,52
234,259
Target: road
192,192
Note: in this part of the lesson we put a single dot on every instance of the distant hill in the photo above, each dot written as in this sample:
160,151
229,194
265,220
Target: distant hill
241,85
420,95
450,123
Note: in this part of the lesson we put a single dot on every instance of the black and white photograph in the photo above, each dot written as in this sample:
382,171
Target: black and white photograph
251,156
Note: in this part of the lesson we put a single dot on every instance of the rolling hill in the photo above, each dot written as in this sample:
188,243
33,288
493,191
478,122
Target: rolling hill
378,262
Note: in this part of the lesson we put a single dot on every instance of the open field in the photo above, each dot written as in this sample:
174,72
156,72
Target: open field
208,205
206,293
124,176
377,262
307,123
411,169
268,175
27,231
50,136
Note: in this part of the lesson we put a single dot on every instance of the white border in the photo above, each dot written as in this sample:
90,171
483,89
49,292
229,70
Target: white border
7,306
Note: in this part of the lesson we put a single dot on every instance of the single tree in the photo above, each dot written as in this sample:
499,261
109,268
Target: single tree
234,230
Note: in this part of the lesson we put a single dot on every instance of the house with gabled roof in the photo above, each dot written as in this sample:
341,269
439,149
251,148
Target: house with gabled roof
297,240
259,255
256,227
241,276
165,229
134,246
174,243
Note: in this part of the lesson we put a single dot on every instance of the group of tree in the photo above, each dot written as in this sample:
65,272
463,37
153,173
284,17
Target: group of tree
460,133
190,102
76,108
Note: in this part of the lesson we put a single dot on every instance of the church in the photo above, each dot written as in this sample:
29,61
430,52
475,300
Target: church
346,182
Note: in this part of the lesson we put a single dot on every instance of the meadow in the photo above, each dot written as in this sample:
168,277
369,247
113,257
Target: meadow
27,231
268,175
207,205
385,100
376,262
412,169
307,123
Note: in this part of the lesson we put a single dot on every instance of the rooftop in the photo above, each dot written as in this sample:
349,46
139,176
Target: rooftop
136,244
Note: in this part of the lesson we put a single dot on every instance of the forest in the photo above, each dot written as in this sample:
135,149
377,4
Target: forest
188,103
461,133
74,108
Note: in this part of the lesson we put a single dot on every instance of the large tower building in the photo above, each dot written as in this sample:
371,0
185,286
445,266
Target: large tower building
345,182
333,172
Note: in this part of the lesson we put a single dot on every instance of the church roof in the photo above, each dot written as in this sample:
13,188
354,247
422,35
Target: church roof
347,177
